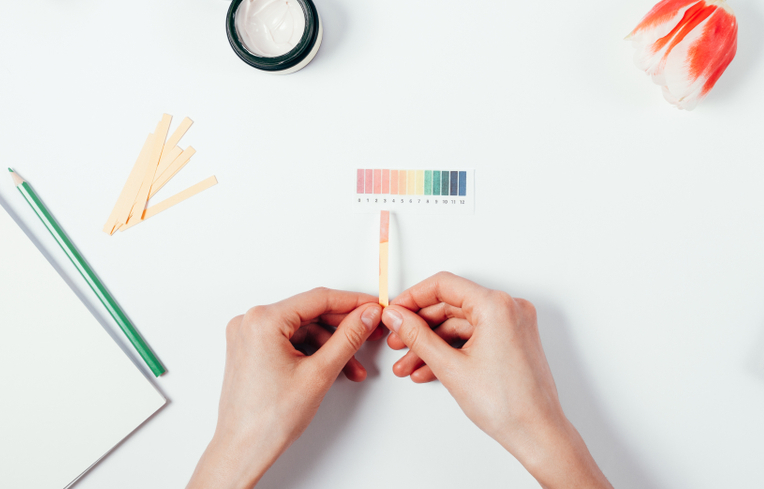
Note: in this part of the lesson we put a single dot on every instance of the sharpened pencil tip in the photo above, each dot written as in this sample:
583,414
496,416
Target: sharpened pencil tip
10,170
17,180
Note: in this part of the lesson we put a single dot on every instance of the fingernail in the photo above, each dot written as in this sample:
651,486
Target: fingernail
392,319
368,317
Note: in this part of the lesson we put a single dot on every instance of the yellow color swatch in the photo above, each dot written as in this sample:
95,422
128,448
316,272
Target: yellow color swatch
411,189
420,182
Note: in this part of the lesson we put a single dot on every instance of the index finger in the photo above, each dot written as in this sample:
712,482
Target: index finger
444,287
306,307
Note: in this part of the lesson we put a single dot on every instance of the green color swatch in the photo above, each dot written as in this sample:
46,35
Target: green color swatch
436,182
444,187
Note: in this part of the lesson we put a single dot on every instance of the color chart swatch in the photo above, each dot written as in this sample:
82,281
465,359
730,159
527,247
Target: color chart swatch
427,191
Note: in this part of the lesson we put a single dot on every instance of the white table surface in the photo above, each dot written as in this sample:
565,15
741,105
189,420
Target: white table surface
636,229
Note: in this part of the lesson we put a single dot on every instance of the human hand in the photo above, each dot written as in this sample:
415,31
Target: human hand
271,390
500,376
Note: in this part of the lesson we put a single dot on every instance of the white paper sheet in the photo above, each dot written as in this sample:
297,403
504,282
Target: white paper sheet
68,394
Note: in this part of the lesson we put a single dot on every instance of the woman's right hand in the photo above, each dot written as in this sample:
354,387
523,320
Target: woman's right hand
499,377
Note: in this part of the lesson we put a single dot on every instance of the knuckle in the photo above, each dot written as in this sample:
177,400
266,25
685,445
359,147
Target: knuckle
527,309
443,275
503,299
255,317
354,337
255,314
462,329
232,328
409,335
449,311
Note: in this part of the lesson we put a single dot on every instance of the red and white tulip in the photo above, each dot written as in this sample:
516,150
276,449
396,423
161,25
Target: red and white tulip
685,45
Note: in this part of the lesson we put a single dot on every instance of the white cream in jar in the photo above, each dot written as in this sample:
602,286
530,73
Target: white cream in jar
270,28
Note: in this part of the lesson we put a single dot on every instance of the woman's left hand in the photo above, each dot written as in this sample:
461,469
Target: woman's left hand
271,390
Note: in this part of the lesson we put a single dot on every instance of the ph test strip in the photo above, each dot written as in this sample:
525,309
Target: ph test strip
425,191
384,238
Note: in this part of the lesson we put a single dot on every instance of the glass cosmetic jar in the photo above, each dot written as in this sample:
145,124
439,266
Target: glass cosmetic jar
277,36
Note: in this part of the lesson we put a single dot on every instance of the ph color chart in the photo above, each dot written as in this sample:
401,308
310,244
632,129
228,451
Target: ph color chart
426,191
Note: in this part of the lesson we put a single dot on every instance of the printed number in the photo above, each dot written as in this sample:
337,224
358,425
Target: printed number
359,200
411,201
461,201
376,200
367,200
419,201
453,201
385,200
427,201
445,201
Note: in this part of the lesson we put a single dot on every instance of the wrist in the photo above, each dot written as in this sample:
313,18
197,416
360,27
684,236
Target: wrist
559,458
232,462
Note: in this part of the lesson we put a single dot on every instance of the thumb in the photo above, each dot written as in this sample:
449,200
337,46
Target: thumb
417,335
350,335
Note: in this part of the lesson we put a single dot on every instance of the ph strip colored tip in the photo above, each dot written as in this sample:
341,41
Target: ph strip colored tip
10,170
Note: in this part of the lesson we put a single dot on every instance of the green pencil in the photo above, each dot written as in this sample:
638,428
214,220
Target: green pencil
88,274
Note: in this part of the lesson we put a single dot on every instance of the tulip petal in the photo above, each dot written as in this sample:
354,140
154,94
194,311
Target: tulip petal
660,21
651,58
695,63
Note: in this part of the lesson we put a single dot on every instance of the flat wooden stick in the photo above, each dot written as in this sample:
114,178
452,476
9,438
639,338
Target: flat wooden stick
172,150
129,191
172,170
160,135
168,156
175,199
179,132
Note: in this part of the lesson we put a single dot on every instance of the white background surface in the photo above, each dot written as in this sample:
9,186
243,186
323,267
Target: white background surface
636,229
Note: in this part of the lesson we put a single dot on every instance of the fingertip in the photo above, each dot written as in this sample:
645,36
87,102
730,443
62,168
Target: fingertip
423,375
393,317
402,311
407,364
378,333
354,371
394,342
359,376
399,370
